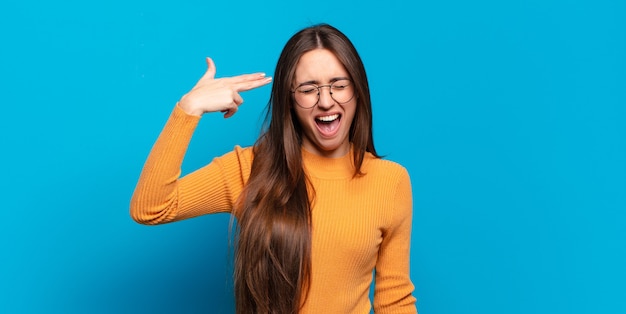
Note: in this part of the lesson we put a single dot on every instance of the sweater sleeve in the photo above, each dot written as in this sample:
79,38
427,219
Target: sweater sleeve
393,289
161,196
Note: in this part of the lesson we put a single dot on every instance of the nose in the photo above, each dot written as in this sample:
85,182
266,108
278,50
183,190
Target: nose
326,100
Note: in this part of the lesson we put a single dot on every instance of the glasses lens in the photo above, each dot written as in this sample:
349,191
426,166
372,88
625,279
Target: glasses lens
307,95
342,91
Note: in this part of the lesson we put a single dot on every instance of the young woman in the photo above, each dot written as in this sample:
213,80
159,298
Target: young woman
317,209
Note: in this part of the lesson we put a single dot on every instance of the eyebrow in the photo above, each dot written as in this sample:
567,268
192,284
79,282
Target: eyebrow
315,82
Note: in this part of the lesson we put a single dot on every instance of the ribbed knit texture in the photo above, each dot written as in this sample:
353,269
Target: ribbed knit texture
359,224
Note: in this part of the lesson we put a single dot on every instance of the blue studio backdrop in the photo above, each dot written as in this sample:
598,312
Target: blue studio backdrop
509,115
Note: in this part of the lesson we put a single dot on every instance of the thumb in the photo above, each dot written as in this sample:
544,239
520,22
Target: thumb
210,71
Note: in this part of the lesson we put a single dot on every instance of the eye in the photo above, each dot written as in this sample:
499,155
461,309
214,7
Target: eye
341,84
307,89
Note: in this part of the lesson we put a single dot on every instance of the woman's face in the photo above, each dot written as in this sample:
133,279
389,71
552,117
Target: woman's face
326,125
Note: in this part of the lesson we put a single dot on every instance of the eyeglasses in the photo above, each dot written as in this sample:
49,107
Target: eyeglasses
308,95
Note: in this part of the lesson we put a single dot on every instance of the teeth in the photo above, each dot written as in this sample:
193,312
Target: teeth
328,118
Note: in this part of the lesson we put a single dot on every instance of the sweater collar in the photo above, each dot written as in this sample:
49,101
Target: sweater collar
328,168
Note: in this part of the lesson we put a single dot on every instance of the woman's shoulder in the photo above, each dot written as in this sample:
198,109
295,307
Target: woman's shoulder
241,156
245,151
383,167
238,151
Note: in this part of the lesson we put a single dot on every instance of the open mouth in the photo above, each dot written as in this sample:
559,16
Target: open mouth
328,125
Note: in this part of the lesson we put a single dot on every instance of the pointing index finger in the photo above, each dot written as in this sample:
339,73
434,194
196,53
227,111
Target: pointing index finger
250,81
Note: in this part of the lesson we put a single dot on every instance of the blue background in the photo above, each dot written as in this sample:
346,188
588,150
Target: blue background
509,115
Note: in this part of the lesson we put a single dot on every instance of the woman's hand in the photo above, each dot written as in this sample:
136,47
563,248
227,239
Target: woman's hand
221,94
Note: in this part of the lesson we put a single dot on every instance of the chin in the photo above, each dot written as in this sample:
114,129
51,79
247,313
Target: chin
332,147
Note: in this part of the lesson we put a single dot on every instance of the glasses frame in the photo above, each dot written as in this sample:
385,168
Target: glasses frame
319,91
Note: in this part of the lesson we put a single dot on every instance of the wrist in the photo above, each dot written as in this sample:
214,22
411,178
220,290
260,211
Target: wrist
188,109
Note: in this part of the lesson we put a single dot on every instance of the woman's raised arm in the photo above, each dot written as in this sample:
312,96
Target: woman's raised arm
161,195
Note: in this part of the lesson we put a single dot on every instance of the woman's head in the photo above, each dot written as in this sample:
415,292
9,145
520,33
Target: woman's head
321,55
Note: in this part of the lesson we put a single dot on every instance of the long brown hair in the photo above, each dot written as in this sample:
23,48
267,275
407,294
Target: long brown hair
273,252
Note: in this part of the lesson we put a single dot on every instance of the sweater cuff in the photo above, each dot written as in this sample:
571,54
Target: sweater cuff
180,112
183,120
180,126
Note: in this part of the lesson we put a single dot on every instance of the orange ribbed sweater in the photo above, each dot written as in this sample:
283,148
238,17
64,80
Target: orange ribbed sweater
359,224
